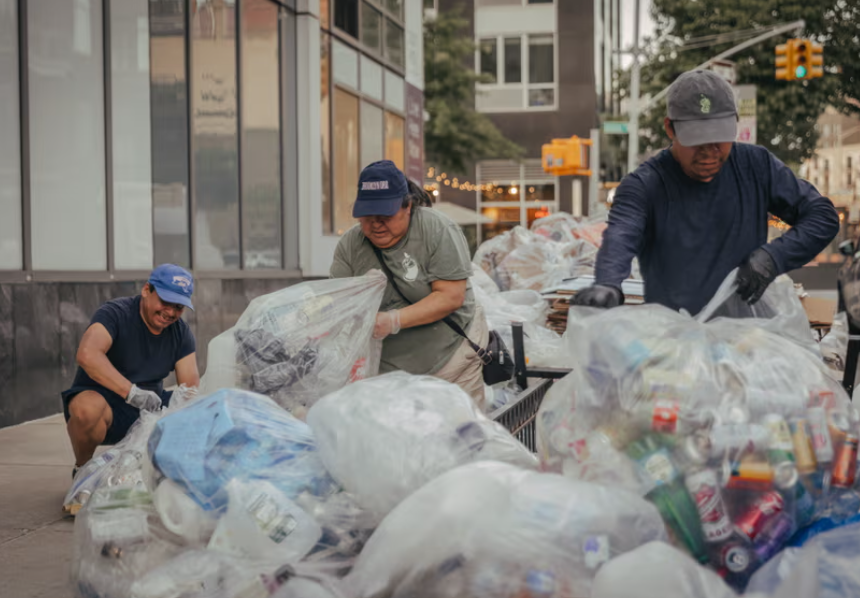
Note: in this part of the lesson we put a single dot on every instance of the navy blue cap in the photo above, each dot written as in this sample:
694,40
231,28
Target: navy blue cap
173,284
381,189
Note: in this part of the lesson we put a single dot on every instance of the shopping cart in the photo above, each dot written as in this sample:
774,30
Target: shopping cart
520,415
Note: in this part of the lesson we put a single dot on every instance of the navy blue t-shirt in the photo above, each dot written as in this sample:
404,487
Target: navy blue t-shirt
689,235
144,358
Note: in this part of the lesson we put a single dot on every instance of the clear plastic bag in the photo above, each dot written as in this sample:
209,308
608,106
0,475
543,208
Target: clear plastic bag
834,345
384,438
779,310
493,530
302,342
492,253
739,437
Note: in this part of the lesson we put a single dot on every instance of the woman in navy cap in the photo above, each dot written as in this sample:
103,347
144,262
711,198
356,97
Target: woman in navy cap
426,257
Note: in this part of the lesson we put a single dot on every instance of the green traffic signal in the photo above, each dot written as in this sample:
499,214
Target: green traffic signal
800,72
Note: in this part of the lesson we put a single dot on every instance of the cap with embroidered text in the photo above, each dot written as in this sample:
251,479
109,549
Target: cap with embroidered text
173,284
381,189
702,108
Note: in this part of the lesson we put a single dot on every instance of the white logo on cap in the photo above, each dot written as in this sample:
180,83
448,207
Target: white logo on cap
374,185
182,281
705,103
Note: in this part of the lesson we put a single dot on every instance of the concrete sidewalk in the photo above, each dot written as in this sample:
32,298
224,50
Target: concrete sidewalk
35,537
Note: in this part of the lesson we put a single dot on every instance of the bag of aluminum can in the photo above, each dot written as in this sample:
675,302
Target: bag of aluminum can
300,343
739,437
493,530
384,438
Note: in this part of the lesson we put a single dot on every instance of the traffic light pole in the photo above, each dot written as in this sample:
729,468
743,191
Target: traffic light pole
636,111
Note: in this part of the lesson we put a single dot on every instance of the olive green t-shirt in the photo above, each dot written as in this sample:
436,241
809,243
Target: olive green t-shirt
434,248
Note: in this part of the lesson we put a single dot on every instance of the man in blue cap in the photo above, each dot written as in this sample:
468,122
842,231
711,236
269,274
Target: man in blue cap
130,347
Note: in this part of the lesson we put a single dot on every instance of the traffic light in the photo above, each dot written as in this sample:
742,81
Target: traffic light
799,59
815,60
565,157
783,62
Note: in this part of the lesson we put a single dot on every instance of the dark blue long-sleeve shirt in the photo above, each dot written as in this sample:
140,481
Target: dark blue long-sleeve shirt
689,235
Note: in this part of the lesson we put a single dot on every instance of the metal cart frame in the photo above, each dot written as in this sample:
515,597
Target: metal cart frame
520,415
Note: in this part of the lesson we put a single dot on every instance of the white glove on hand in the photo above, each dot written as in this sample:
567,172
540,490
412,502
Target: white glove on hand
387,322
145,400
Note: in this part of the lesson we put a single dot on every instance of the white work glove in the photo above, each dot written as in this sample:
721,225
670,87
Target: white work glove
145,400
387,323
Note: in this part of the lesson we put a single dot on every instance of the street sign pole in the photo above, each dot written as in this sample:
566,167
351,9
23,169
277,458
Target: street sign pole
633,128
594,166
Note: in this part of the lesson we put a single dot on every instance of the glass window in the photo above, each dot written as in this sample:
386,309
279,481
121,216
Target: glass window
213,105
504,219
67,135
487,48
371,78
395,7
345,64
169,116
131,136
11,251
394,42
429,4
540,192
513,60
541,69
346,16
395,140
346,158
261,136
371,27
540,1
325,130
372,134
395,92
541,97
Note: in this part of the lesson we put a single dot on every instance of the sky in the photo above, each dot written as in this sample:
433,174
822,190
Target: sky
646,27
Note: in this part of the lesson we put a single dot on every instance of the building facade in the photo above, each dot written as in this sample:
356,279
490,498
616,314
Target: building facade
197,132
552,66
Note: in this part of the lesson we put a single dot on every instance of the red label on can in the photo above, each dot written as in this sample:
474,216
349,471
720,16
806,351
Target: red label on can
760,512
845,464
664,418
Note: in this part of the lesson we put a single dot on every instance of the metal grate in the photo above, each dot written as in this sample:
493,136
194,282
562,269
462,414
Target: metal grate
520,415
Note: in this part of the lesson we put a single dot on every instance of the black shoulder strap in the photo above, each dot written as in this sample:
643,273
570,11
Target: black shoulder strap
451,323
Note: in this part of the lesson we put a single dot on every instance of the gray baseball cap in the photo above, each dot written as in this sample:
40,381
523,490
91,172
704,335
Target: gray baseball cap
702,109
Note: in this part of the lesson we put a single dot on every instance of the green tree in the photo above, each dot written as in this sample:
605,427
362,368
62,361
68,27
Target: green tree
787,110
456,135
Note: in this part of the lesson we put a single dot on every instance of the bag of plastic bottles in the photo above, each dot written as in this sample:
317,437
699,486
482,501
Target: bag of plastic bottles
302,342
493,530
493,251
255,476
834,345
385,437
126,461
779,310
739,437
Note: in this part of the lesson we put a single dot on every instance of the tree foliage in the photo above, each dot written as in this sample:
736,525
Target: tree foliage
456,135
787,110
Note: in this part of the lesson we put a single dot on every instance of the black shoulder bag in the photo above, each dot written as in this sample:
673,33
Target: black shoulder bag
498,365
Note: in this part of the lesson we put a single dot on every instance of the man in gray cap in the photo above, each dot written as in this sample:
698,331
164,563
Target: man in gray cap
699,209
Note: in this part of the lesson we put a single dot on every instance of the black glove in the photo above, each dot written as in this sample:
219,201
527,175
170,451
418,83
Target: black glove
599,295
755,274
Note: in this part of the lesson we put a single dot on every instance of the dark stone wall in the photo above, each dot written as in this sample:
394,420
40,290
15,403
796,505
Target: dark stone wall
41,325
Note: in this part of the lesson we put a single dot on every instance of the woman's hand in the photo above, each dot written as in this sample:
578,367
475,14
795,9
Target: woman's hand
387,323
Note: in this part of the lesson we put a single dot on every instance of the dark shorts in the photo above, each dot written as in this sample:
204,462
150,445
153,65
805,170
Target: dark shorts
124,415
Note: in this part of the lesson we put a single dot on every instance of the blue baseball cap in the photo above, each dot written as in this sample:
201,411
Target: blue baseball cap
173,284
381,189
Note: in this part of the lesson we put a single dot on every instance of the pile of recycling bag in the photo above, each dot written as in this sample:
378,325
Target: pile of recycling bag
716,454
557,247
738,435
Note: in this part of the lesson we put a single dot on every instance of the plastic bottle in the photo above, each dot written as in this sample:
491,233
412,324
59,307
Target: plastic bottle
669,494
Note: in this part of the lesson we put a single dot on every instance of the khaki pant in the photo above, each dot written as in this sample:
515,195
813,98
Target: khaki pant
465,368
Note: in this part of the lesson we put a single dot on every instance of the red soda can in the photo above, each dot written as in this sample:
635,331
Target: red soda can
845,463
763,509
664,417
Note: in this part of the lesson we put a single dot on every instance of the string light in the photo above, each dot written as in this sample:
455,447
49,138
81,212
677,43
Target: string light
456,183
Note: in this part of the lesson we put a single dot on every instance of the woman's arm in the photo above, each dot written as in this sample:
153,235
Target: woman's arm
446,297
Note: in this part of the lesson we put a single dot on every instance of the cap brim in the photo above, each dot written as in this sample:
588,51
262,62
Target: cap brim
701,132
171,297
376,207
